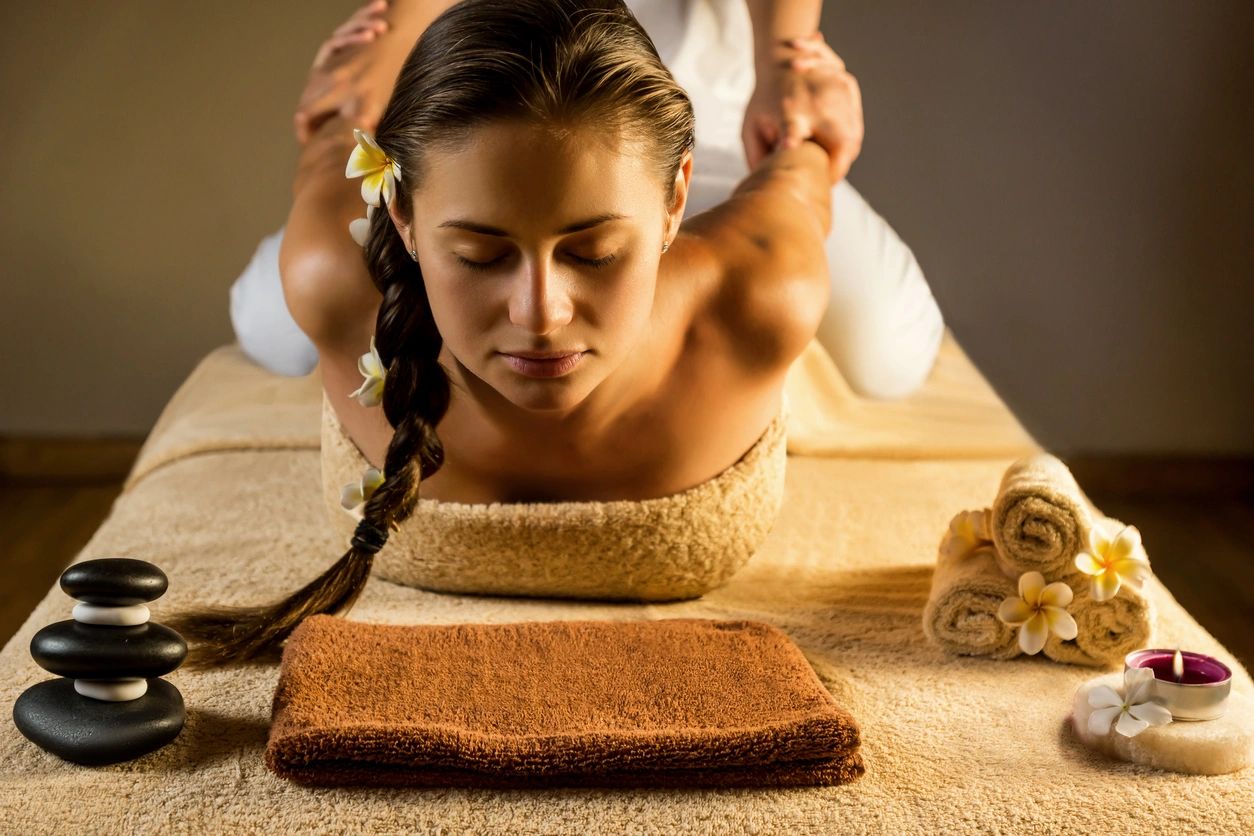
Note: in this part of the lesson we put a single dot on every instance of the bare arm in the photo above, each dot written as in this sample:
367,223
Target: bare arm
325,281
777,20
767,240
356,69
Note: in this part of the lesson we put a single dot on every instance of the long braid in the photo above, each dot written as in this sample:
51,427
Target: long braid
415,399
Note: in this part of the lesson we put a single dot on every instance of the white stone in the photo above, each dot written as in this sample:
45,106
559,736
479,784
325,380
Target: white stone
1203,747
114,616
112,690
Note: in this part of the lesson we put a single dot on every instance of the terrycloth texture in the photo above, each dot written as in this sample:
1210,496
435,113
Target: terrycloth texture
961,611
220,408
1041,517
679,702
1210,747
1107,630
956,414
969,585
952,744
661,549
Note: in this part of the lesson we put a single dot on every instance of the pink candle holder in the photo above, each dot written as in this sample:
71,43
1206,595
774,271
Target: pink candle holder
1192,686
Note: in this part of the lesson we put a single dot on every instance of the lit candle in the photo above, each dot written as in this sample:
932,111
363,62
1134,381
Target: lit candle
1192,686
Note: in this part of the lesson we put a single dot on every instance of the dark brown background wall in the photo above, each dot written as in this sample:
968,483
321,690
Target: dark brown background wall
1074,177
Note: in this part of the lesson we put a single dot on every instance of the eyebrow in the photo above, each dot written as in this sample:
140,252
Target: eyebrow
484,229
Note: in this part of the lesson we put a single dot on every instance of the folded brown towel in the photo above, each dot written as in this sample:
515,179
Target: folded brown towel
677,702
967,588
1041,517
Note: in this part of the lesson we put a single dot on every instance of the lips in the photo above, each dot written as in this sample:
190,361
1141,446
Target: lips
540,355
548,366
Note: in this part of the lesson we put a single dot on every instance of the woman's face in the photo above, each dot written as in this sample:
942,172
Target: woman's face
534,242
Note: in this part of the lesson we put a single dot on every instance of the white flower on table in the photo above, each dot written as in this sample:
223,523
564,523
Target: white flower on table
378,171
358,493
1135,710
370,393
1038,611
1112,563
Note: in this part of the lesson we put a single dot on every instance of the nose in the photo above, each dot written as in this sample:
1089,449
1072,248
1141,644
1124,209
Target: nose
539,299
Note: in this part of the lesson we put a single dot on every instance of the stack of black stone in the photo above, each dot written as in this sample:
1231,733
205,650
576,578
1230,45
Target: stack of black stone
109,705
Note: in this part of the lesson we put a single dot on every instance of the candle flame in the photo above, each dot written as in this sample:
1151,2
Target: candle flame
1177,666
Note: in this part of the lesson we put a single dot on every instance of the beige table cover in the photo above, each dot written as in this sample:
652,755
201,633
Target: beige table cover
224,498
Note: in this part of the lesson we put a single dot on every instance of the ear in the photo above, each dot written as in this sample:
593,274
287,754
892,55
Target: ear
675,214
401,224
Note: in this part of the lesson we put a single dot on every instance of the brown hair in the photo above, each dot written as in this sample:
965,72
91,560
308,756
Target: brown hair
559,63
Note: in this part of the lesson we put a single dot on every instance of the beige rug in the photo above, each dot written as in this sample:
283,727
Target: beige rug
225,499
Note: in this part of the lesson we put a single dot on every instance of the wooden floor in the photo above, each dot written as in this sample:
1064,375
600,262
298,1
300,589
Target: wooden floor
1200,539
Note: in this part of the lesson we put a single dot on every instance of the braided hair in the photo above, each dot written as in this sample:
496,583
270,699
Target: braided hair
560,63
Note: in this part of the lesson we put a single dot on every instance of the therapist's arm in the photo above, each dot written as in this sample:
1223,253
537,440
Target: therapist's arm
802,89
356,82
777,20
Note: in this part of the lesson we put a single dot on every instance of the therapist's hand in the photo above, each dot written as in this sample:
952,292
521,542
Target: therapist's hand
353,73
803,93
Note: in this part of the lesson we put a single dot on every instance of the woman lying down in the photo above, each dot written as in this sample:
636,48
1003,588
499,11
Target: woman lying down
521,312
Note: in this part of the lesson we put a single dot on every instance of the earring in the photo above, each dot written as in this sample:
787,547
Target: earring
666,245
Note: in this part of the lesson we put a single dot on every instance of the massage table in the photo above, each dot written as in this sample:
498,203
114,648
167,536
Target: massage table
224,497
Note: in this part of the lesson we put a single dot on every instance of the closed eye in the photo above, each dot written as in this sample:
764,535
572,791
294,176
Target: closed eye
488,265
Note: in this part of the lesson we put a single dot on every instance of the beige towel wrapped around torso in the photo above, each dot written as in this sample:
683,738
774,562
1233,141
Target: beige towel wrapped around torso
659,549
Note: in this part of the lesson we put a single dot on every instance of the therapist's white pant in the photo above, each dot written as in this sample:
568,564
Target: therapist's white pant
882,327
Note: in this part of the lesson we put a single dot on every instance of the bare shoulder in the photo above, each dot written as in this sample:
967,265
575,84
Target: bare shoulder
764,248
326,283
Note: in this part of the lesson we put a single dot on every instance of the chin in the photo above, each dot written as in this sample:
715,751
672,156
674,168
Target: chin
554,395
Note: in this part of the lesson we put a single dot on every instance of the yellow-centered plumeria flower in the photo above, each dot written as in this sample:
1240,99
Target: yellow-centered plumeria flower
379,171
359,228
1113,563
1134,708
359,493
967,531
1038,611
370,393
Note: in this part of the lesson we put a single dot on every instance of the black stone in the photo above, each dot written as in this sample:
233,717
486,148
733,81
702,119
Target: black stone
94,732
95,651
114,580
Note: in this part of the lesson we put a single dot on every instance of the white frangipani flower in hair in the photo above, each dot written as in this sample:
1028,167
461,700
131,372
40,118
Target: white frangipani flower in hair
359,228
1038,611
1112,563
370,393
378,171
1133,708
355,494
